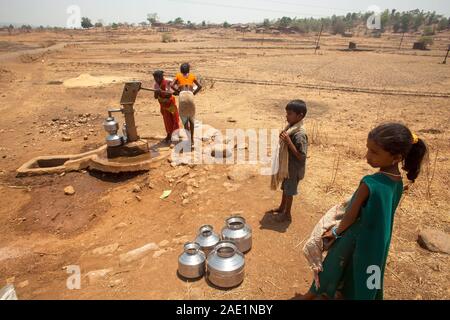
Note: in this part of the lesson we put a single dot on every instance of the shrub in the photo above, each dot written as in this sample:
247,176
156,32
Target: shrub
166,37
338,27
444,24
427,40
428,31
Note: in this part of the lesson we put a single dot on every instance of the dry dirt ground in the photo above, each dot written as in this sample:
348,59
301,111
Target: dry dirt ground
42,230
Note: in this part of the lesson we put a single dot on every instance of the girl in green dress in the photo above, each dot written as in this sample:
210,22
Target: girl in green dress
355,263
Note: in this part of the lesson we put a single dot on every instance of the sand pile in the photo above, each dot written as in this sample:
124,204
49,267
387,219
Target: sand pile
86,80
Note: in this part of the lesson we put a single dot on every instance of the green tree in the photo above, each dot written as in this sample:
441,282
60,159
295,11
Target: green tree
443,24
418,19
301,25
405,21
152,18
203,23
26,28
98,25
266,23
86,23
226,25
285,22
385,19
338,26
179,21
432,18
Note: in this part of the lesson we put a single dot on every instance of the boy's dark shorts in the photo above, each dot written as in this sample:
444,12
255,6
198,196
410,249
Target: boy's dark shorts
290,186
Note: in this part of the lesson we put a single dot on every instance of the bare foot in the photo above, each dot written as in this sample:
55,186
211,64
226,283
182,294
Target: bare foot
272,211
307,296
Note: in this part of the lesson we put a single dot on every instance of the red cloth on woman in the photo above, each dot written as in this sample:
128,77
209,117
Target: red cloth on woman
169,109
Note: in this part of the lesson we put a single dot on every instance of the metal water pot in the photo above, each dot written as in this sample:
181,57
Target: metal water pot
225,265
191,263
114,140
239,232
207,238
111,126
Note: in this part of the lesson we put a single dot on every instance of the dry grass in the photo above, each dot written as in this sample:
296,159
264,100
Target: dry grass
430,169
317,136
334,173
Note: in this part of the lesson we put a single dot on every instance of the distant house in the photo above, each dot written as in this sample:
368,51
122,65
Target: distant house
161,27
288,30
241,28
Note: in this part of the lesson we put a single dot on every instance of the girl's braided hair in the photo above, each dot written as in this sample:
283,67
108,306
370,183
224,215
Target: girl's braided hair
398,139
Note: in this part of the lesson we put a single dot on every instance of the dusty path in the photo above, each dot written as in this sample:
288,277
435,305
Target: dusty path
14,55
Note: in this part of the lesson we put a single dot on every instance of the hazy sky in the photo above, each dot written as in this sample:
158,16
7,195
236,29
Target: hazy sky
53,12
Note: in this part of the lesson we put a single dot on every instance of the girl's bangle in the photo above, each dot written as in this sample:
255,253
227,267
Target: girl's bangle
334,232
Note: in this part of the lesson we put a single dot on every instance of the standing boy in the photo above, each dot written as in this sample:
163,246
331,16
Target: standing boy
291,158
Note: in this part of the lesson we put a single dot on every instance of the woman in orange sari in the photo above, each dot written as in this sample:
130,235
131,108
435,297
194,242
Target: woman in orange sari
168,104
184,86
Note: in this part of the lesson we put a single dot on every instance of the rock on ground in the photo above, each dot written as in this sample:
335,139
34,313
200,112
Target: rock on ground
180,240
138,253
164,243
136,188
177,173
106,249
434,240
95,276
159,253
69,190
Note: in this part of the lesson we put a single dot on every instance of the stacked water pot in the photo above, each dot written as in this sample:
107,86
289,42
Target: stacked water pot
225,261
207,238
112,127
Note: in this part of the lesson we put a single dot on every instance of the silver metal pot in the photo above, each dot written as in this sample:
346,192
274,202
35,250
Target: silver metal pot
225,265
207,238
239,232
111,126
114,140
191,263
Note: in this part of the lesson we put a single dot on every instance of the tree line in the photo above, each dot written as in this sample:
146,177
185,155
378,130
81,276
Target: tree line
391,20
